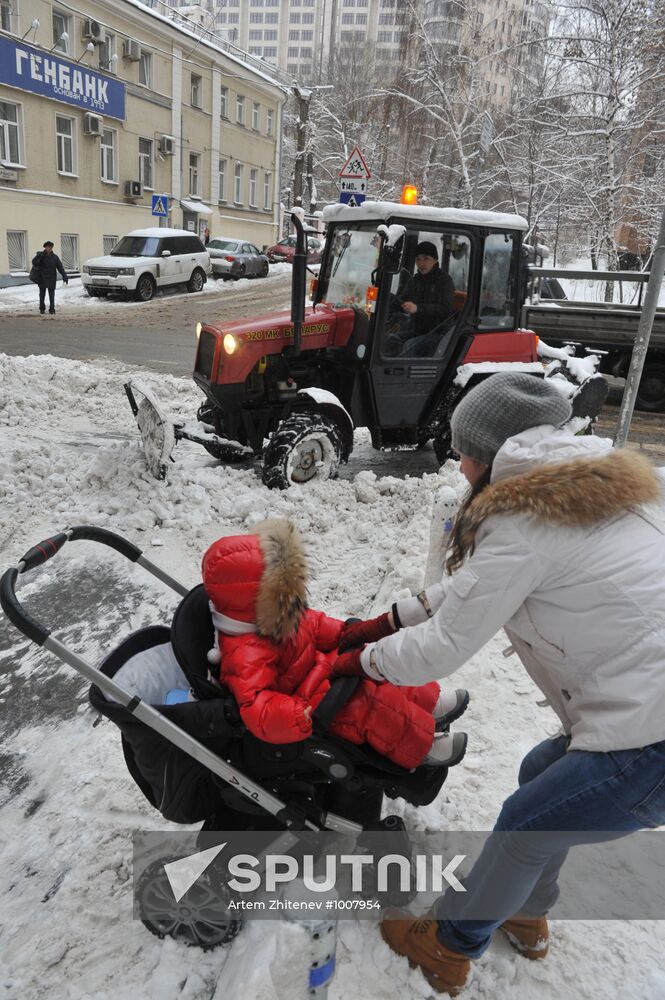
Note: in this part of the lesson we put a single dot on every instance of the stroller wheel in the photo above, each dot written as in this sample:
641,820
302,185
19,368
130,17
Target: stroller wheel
200,918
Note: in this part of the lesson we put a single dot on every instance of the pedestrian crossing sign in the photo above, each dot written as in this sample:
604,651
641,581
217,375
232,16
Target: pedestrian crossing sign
160,205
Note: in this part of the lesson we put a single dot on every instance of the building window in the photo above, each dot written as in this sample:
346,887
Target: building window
196,91
256,36
240,109
347,18
237,191
194,172
361,18
256,18
6,16
272,18
69,248
270,36
222,180
145,162
109,155
307,36
107,53
253,180
17,249
305,54
294,36
294,18
308,19
11,134
256,116
224,102
270,118
270,52
108,242
62,31
145,69
292,53
266,191
65,137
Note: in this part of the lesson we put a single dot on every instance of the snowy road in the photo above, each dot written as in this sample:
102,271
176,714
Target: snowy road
69,807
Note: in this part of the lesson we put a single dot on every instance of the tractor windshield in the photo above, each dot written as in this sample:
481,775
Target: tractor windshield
353,257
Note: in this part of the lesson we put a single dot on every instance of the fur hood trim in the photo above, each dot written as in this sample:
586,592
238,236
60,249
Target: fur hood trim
282,592
578,493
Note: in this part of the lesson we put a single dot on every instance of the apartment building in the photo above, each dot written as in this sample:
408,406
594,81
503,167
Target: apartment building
104,104
302,36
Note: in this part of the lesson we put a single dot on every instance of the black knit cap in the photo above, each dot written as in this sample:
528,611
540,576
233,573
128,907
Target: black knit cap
49,243
426,249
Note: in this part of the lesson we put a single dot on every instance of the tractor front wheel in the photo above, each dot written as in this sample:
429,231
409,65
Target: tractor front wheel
305,446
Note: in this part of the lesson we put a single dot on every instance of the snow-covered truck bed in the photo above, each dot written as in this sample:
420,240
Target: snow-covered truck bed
607,327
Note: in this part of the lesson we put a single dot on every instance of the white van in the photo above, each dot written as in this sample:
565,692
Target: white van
148,259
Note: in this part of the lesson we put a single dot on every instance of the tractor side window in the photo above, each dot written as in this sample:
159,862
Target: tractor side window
428,296
497,291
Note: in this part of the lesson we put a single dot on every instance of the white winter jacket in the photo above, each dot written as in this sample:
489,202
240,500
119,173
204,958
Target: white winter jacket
570,561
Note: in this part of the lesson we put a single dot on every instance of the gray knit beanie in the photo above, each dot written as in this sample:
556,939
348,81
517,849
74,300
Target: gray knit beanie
501,406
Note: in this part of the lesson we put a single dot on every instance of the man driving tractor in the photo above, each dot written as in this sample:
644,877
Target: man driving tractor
425,300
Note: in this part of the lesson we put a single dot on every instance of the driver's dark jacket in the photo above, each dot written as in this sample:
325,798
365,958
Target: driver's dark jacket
433,294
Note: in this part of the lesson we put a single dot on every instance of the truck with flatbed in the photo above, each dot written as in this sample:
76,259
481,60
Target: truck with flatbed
607,328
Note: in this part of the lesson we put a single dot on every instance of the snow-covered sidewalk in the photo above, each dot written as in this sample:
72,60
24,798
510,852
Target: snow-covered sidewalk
21,300
69,454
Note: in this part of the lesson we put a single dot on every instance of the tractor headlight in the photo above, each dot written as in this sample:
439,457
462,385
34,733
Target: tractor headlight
230,343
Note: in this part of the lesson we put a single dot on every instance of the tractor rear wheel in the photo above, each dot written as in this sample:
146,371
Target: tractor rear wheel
305,446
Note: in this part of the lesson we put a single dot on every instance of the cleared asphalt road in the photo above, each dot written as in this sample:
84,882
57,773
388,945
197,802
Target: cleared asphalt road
159,335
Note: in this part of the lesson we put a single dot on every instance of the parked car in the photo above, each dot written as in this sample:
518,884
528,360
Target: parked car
148,259
284,251
232,258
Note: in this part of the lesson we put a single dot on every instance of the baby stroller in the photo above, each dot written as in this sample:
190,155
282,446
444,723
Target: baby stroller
195,761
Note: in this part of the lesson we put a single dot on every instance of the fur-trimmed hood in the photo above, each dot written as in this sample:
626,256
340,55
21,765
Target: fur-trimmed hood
597,485
258,580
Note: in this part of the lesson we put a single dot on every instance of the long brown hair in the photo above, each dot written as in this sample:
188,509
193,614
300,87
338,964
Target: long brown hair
458,550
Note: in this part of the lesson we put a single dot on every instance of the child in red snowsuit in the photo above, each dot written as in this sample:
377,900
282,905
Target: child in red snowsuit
276,656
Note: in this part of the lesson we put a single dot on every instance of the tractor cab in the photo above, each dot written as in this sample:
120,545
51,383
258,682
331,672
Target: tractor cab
412,306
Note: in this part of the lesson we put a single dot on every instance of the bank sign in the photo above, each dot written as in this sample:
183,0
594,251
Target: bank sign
43,73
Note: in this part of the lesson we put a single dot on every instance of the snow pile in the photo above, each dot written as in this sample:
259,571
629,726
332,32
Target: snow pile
70,454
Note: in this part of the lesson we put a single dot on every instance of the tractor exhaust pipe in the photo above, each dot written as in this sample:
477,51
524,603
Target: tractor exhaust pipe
298,281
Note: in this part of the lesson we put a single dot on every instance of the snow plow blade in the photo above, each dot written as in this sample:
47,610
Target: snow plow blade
160,434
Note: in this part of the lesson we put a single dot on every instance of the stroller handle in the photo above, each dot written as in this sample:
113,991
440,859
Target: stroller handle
39,554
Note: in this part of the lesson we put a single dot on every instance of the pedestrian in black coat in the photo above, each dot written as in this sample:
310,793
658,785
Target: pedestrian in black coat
47,264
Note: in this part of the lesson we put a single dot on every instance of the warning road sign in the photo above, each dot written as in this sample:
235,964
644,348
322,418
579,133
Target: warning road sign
160,205
355,166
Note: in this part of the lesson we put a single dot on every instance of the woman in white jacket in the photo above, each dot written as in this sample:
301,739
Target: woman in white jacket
556,545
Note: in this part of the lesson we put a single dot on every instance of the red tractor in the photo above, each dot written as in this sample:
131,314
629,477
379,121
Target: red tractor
291,388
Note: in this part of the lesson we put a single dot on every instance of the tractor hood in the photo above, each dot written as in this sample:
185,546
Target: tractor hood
270,334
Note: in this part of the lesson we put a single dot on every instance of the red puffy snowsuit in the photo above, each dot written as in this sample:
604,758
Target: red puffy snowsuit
279,661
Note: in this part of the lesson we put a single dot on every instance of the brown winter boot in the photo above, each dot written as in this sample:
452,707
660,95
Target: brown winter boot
528,935
415,938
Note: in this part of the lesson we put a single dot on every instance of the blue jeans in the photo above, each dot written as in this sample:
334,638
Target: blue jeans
566,797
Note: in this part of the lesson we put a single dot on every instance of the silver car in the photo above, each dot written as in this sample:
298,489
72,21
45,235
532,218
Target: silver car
236,259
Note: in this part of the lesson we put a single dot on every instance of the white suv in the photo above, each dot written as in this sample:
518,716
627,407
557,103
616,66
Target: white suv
147,259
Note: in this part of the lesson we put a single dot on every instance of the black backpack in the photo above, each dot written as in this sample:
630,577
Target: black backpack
35,272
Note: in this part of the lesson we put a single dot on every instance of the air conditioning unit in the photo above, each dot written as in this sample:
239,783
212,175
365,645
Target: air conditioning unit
131,50
133,189
166,145
92,124
93,31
